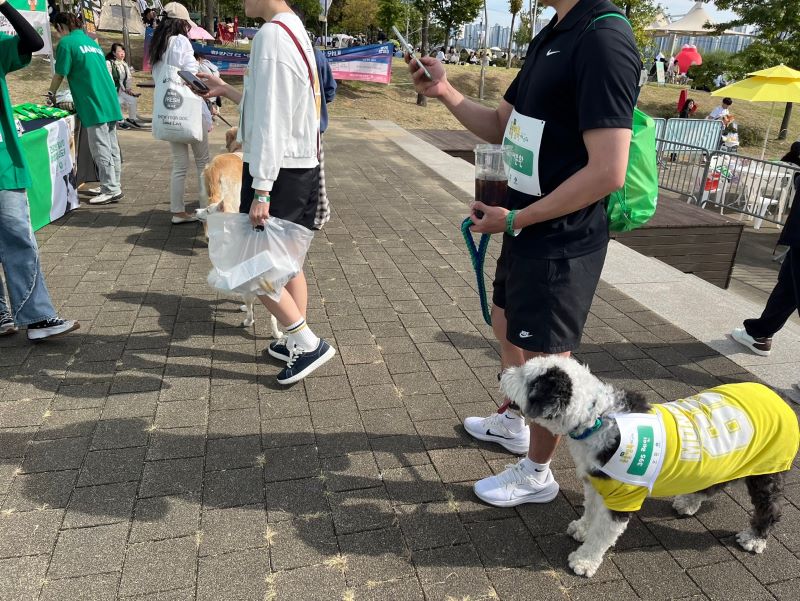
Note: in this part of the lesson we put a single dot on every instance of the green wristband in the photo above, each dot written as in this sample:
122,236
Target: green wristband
510,223
262,198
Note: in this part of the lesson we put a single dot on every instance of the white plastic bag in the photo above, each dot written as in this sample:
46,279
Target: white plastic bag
177,111
249,261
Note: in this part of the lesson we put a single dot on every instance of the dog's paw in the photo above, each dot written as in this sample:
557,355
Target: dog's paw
687,504
243,308
750,542
247,322
577,530
583,566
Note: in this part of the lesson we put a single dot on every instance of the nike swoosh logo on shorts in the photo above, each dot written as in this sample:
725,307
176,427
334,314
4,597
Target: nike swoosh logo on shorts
552,52
524,334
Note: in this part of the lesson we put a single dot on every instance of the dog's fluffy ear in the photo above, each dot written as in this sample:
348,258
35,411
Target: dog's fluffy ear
549,394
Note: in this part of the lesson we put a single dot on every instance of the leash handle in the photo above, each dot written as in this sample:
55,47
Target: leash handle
478,256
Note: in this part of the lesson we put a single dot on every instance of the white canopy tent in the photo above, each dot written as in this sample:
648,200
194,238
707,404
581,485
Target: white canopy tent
113,18
691,24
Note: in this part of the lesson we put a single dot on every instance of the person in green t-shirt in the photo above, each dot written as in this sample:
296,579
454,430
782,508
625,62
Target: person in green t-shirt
83,63
30,300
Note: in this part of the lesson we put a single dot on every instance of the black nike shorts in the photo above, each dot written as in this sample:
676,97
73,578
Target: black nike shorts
294,196
546,301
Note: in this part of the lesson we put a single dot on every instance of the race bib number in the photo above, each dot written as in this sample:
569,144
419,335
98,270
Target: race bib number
640,453
523,139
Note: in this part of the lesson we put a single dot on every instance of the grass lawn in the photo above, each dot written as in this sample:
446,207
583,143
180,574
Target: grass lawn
397,101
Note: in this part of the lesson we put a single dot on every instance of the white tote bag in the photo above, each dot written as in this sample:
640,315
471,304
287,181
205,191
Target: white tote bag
177,111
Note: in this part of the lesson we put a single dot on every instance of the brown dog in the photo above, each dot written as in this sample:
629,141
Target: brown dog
222,186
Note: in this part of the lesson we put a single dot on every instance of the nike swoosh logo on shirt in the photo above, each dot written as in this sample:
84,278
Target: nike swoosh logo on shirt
552,52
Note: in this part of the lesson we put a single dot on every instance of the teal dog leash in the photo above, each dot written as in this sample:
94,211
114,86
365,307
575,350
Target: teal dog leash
478,256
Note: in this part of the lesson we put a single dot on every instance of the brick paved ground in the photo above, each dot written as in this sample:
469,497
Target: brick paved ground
152,456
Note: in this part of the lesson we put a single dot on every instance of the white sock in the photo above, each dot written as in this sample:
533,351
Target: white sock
513,421
300,335
537,470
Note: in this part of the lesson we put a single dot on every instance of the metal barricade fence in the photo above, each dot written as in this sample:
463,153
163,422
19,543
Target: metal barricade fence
763,190
681,168
661,126
696,132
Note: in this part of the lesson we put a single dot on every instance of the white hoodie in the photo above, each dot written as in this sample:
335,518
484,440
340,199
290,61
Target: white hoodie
278,124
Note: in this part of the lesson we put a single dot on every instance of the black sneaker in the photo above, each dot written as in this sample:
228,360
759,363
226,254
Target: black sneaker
7,326
302,363
117,197
133,124
278,349
123,125
50,328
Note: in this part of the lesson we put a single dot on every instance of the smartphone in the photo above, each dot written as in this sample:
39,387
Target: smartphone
410,49
197,84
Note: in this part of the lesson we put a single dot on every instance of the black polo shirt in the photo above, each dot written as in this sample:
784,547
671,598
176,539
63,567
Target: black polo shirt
578,76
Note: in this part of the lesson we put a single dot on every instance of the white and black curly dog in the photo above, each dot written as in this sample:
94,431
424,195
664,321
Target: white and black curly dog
626,450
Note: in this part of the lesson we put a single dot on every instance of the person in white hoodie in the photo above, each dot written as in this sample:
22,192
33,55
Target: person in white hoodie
279,131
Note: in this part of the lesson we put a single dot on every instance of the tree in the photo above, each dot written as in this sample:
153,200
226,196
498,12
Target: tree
524,33
424,7
641,14
391,12
514,6
778,25
452,14
358,16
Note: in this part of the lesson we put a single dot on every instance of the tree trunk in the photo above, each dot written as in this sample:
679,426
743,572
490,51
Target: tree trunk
787,115
209,18
422,100
482,84
510,40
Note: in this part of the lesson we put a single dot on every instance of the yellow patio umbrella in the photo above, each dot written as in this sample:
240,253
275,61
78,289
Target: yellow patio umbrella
776,84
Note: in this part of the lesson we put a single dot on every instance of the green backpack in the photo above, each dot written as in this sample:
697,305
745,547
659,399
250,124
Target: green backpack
635,203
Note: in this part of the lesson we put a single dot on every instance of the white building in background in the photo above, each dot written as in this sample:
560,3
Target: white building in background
499,36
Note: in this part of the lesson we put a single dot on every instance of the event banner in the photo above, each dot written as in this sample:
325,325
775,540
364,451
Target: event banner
362,63
90,10
228,61
53,191
35,12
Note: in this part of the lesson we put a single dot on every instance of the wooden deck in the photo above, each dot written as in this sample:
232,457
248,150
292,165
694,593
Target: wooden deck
685,236
455,142
689,238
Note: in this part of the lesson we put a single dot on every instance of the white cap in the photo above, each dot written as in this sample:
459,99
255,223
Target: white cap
176,10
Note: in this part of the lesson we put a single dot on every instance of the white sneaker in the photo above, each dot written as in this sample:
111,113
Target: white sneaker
93,191
101,199
495,429
515,486
759,346
50,328
177,219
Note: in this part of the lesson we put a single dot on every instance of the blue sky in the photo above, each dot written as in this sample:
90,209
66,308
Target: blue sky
498,10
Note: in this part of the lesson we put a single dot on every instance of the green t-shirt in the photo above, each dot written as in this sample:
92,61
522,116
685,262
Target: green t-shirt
13,167
82,62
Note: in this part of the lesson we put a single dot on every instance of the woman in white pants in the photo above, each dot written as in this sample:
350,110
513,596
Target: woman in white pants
170,46
123,81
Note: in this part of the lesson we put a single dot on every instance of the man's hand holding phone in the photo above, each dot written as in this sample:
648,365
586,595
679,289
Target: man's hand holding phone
216,87
435,87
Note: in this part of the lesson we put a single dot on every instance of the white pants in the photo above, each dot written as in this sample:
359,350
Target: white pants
180,165
131,102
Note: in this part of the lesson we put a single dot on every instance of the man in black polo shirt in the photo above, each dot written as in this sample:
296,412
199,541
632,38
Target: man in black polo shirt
567,118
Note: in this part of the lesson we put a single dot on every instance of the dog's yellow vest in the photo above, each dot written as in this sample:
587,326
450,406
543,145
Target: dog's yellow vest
722,434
